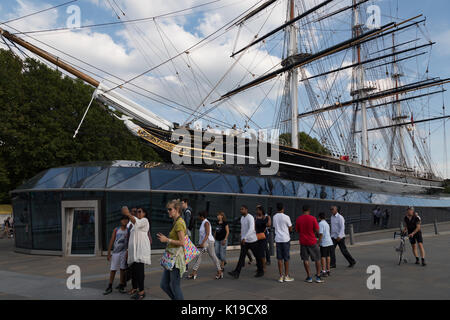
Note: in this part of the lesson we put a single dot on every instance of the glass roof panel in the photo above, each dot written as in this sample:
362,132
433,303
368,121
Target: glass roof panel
79,175
182,183
53,179
32,182
159,177
233,181
253,187
218,185
263,183
288,187
97,181
118,175
140,181
201,179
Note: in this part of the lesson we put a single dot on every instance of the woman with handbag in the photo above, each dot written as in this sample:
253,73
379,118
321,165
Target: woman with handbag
173,259
139,251
262,222
206,245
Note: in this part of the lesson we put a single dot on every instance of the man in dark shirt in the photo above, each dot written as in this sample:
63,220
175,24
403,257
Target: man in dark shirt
412,222
187,215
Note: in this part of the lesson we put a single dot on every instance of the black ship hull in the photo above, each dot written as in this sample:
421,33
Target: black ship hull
304,166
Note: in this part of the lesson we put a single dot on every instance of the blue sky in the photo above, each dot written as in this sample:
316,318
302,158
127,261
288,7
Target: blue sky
117,50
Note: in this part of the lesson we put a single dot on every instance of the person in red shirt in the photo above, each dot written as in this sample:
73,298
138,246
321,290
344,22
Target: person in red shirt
308,230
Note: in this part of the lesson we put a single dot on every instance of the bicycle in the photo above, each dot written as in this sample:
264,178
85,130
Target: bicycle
402,247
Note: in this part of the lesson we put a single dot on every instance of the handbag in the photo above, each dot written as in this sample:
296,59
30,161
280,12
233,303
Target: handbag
260,236
168,260
190,250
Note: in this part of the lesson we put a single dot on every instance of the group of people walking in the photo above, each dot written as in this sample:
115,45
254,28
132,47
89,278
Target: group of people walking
317,243
380,217
130,245
8,228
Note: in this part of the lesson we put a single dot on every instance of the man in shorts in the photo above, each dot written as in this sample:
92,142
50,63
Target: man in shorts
119,245
308,228
283,227
413,222
326,244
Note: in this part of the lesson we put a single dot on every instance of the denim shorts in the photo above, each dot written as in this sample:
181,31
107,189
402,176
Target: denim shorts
283,251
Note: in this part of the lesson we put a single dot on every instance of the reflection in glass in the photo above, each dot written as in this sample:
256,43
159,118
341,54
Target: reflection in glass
83,232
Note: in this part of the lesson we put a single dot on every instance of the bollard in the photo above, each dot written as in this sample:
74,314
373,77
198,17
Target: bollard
435,227
351,235
271,239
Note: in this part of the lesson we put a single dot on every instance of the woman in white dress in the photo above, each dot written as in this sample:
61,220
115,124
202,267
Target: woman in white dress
139,251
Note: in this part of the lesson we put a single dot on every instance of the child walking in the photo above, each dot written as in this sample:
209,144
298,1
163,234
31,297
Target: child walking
118,258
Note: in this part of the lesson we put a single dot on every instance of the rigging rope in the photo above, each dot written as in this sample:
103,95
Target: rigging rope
116,22
182,52
40,11
85,113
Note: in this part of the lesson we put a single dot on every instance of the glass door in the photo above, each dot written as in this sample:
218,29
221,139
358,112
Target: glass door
80,223
83,231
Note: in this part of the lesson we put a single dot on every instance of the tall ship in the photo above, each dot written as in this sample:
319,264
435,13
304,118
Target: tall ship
343,97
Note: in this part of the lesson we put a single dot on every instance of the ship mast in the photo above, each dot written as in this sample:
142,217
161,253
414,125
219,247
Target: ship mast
359,89
293,77
397,118
102,92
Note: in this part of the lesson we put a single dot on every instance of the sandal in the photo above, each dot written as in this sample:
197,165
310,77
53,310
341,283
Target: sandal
192,276
132,291
138,296
219,275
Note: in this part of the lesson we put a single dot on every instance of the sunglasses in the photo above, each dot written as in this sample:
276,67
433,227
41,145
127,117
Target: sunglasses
169,209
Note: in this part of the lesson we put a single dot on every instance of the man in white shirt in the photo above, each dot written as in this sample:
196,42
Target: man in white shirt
248,242
326,245
338,237
283,227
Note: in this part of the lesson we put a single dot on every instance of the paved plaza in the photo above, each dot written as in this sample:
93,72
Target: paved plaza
44,277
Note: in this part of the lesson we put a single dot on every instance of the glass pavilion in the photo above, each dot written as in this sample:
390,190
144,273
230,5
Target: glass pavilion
73,210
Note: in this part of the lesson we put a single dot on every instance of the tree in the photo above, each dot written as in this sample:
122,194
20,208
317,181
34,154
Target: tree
305,142
40,111
447,186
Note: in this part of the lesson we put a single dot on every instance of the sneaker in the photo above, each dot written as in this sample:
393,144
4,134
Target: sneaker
417,261
308,279
324,274
328,273
423,262
288,279
281,279
318,280
122,289
351,265
259,275
108,290
234,274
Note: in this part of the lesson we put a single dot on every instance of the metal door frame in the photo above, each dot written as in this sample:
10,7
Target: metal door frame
66,226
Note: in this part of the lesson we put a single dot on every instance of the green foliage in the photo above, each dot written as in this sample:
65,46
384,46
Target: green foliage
305,142
447,186
40,110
